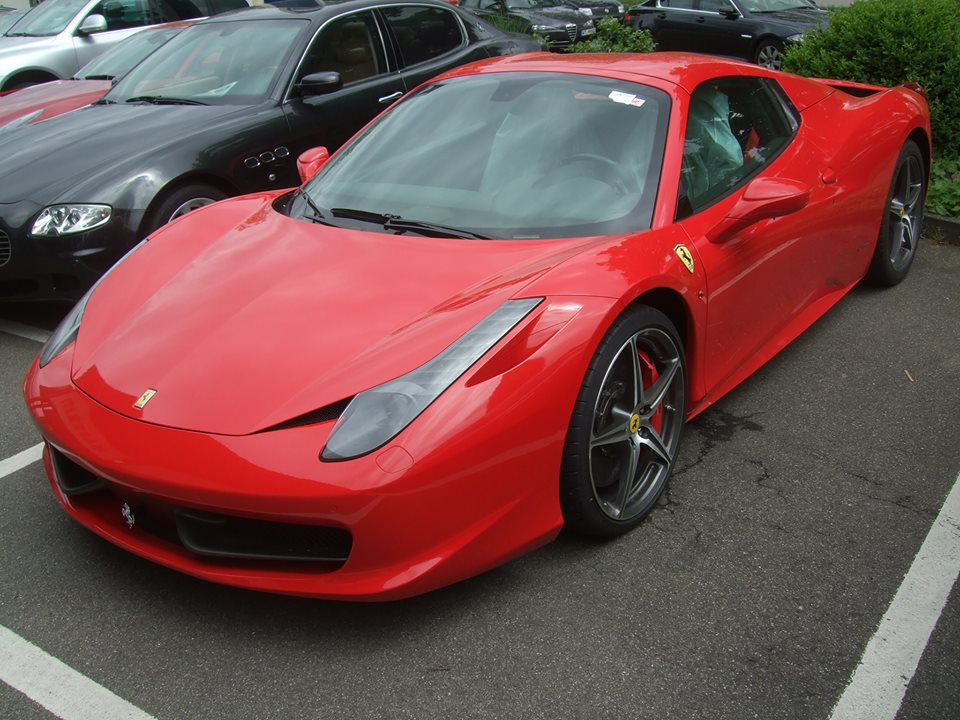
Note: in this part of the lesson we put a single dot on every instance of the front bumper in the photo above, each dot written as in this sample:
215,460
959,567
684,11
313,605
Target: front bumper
474,485
57,268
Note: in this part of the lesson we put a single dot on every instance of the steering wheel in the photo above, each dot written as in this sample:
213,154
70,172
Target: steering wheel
613,174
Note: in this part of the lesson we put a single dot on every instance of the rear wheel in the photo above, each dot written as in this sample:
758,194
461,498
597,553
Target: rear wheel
902,219
626,428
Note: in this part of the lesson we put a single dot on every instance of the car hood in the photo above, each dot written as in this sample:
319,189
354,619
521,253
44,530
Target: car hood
102,138
50,99
241,326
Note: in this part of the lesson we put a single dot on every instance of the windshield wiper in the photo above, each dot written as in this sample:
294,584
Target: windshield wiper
317,216
394,222
95,77
23,34
161,100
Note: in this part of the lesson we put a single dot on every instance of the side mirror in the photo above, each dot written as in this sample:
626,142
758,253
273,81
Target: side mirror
320,83
310,162
92,24
730,13
763,198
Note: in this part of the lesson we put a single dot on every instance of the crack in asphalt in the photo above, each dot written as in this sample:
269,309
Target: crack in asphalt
714,427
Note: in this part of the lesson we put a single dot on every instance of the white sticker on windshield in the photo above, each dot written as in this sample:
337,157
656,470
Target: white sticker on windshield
219,91
626,98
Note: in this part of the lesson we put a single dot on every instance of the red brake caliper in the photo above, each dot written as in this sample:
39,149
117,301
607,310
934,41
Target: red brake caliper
649,375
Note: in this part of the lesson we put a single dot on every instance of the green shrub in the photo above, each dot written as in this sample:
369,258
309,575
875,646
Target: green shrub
943,197
889,42
613,36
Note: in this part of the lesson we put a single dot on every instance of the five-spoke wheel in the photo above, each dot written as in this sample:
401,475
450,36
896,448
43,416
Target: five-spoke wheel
626,428
902,219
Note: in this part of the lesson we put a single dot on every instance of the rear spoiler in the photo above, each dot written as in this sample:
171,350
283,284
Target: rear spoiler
865,89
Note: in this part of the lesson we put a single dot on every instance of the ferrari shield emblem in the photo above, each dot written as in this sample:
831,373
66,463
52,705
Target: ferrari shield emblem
634,423
685,257
144,399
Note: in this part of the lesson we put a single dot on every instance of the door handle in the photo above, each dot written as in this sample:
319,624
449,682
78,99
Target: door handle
386,99
700,19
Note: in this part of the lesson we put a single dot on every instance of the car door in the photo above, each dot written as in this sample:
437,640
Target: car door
765,276
722,29
351,44
428,41
672,24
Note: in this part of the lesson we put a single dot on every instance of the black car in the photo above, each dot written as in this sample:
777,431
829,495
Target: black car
755,30
224,108
597,9
560,24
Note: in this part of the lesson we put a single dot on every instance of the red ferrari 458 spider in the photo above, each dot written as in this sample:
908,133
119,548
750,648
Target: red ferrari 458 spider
485,318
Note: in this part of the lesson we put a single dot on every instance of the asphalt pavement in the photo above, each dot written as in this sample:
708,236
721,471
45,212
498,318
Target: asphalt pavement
800,501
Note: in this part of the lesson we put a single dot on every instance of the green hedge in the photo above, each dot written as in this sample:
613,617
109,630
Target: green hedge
889,42
613,36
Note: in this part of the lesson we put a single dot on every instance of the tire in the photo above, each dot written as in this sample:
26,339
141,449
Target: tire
902,219
769,54
621,444
180,201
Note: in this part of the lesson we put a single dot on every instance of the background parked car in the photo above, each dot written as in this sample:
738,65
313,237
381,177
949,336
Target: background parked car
57,37
44,101
597,9
559,24
755,30
224,108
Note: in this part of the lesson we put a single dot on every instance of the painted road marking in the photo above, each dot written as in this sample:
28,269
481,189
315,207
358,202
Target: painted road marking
888,664
21,460
57,687
25,331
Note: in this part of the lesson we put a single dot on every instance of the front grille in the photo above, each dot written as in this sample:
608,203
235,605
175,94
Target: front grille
571,31
6,249
204,534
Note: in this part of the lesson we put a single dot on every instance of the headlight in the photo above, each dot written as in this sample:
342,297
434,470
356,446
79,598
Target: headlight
620,8
68,328
586,11
540,28
376,416
795,38
59,220
588,25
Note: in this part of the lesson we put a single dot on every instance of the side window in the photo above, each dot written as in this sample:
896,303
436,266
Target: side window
423,32
348,45
680,4
122,14
735,127
716,6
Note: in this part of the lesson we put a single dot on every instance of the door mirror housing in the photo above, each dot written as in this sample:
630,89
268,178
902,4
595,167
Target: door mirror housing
92,24
310,162
763,198
320,83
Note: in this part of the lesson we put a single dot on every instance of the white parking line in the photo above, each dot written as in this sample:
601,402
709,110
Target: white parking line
21,460
25,331
59,688
878,684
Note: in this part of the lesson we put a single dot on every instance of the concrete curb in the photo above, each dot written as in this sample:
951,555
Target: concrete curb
941,229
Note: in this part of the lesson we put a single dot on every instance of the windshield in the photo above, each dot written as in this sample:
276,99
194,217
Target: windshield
48,18
505,155
217,63
123,56
762,6
528,4
8,18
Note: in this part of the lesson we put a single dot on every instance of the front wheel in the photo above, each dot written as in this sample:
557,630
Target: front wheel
902,219
769,54
181,201
626,427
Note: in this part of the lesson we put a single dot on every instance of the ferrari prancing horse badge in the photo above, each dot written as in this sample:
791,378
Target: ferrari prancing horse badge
685,257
